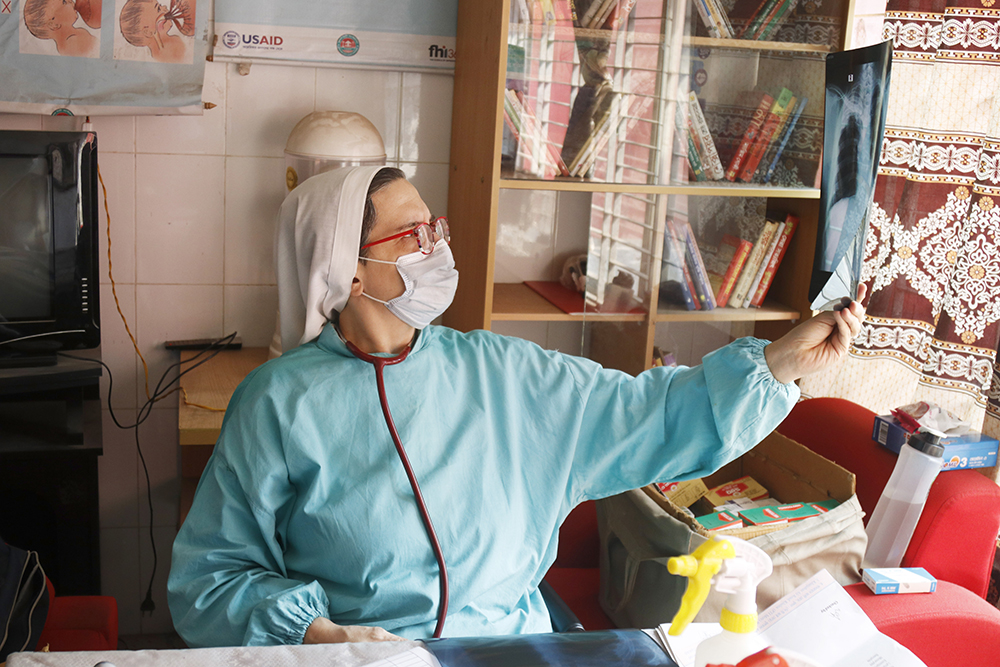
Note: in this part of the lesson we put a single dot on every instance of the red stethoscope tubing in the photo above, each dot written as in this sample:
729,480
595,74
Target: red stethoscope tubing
380,363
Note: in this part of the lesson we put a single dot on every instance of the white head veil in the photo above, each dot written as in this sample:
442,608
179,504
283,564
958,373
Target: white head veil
316,250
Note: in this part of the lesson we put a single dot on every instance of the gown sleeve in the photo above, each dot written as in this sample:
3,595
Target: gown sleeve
228,582
675,423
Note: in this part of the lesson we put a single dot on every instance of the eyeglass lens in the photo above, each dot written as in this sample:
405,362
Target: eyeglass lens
426,234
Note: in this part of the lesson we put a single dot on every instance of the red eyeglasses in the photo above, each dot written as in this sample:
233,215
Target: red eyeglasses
427,234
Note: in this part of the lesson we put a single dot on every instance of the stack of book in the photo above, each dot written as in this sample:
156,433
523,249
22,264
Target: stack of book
766,19
715,18
702,154
535,154
737,274
768,132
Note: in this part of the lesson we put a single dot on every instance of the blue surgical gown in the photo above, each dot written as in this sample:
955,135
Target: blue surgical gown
304,509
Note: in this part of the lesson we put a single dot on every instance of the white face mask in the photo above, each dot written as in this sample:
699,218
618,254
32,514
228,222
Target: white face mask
430,282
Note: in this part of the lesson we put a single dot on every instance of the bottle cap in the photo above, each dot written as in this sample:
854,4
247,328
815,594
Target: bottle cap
927,442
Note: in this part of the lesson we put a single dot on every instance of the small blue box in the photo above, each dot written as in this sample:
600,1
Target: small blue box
971,450
893,580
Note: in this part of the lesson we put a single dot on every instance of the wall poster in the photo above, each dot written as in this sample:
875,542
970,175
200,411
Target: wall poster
375,34
94,57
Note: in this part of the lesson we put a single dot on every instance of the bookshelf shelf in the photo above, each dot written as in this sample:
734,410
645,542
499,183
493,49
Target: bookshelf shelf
755,45
706,188
538,97
515,302
771,311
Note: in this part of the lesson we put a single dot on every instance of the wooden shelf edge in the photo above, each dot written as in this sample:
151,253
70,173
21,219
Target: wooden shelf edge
770,311
714,189
756,45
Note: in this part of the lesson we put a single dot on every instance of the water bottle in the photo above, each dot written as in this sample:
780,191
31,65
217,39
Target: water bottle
898,510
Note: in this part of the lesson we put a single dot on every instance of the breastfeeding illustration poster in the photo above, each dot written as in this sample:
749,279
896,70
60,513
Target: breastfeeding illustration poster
93,57
391,34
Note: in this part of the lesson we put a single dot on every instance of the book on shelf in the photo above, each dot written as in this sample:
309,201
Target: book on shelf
721,16
724,266
749,272
761,173
681,229
755,281
786,135
694,157
763,137
791,224
707,19
753,127
677,285
774,20
540,157
618,14
766,19
709,154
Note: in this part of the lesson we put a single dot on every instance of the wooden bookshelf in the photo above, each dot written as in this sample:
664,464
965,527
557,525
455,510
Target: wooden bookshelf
479,182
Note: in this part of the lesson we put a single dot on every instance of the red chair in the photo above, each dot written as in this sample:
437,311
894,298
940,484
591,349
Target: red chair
576,574
80,623
955,540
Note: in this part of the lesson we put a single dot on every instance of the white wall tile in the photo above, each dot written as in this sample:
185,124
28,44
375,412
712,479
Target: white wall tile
174,312
431,181
120,575
525,235
118,174
193,135
115,134
374,95
425,118
250,311
255,188
159,620
161,451
116,468
263,107
19,121
116,346
180,219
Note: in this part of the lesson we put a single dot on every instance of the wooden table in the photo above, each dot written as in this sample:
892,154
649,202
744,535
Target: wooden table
211,384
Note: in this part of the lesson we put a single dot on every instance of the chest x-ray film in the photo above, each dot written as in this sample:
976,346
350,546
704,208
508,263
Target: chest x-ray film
857,92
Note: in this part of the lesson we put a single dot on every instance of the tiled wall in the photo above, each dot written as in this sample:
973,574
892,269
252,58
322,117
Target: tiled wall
193,202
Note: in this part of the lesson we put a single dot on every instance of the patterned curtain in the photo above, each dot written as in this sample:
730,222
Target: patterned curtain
933,257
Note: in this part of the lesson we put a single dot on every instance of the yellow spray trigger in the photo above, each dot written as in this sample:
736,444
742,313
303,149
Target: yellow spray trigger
699,567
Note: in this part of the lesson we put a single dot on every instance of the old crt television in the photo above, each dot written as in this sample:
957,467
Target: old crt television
48,245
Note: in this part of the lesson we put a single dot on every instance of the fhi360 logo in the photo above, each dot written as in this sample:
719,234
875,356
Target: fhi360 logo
440,52
233,39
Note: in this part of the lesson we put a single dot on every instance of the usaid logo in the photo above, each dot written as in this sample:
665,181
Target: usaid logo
231,39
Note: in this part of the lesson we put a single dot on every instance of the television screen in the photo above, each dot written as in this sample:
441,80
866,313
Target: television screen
857,93
26,258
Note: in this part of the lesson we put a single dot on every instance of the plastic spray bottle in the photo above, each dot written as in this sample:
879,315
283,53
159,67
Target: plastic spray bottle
732,566
898,510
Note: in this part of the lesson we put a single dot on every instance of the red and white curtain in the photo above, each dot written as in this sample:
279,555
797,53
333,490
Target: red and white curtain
933,257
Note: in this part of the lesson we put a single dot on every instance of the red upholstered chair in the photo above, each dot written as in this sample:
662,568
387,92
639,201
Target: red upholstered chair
955,540
576,574
80,623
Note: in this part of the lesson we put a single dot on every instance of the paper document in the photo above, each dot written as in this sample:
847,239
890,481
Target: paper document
820,620
415,657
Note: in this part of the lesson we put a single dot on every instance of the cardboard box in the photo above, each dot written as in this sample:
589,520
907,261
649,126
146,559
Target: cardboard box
893,580
742,487
683,493
971,450
790,471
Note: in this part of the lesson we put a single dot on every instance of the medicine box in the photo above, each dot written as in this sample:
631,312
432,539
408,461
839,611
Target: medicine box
685,493
742,487
720,521
971,450
893,580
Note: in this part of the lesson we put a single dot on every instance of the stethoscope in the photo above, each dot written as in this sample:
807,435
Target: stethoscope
380,363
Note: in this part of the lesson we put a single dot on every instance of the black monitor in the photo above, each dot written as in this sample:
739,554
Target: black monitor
48,245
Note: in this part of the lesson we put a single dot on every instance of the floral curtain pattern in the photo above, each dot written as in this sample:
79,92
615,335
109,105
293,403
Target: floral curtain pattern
933,254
